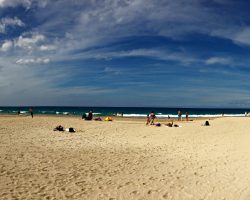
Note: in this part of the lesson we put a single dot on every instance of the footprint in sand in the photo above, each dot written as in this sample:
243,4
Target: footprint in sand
134,192
165,196
128,183
152,191
119,187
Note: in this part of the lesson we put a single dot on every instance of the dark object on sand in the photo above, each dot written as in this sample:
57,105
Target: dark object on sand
72,130
207,123
158,124
172,124
98,119
88,117
59,128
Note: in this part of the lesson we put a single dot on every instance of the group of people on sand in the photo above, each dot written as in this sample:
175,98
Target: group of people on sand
89,117
30,111
151,118
180,115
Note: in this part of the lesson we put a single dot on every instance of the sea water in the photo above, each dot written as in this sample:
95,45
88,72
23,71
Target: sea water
126,111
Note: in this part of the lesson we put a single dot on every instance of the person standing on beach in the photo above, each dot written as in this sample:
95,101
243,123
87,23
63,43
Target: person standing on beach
179,115
152,118
186,116
31,112
148,119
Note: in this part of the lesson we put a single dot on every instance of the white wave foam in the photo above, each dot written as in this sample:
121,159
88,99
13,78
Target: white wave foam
1,110
218,115
47,112
144,115
93,113
183,116
134,115
62,113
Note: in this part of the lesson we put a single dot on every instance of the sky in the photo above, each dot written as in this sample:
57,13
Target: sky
162,53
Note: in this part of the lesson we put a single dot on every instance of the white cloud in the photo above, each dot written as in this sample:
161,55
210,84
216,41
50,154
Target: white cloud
14,3
7,45
238,34
25,3
158,54
218,60
243,36
47,47
72,27
10,22
33,61
111,70
29,42
81,22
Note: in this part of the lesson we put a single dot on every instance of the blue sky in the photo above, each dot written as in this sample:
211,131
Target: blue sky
182,53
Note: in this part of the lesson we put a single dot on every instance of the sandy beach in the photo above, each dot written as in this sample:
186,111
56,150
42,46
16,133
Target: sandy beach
123,159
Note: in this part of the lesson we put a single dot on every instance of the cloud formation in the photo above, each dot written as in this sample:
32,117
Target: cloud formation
122,43
10,22
30,41
6,46
25,3
33,61
218,60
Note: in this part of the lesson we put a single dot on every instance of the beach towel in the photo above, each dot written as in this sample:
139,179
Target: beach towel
108,119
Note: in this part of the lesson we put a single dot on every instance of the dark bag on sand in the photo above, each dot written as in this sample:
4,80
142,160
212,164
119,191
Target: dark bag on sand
207,123
72,130
59,128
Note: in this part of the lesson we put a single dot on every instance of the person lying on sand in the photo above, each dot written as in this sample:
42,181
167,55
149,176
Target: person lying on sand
98,119
158,124
172,124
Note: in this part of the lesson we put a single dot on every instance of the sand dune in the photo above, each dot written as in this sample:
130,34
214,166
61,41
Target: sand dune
123,159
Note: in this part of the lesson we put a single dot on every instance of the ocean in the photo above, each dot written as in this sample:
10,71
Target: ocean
127,111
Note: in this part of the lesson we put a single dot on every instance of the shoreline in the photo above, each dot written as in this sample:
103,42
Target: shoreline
118,118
